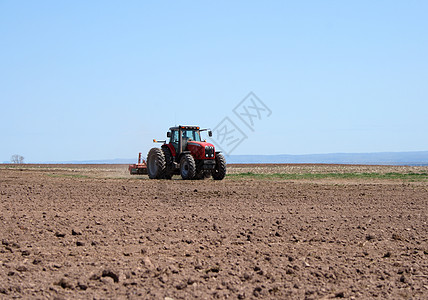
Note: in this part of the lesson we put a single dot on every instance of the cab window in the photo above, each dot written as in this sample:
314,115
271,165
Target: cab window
192,135
174,136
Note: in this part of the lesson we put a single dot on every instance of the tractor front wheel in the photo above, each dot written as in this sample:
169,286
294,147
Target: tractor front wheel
156,165
187,167
220,167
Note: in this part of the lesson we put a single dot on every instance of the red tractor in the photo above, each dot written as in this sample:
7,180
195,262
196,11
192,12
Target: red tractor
185,154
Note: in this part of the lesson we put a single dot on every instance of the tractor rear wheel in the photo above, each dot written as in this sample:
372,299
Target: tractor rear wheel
156,165
168,163
187,167
220,167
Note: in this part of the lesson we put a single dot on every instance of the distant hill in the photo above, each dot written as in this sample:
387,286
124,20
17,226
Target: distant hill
379,158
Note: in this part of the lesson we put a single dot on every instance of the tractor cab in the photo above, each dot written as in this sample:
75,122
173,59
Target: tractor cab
180,137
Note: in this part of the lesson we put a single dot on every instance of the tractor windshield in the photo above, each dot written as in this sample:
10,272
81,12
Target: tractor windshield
192,135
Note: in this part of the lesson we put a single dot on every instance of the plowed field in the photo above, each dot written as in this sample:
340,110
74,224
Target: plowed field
270,232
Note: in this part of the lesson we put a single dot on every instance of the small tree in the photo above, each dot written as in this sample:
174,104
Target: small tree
17,159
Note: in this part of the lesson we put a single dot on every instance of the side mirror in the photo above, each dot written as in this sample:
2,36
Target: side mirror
210,133
168,134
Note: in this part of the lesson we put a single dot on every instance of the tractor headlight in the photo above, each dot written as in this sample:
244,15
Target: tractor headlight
209,151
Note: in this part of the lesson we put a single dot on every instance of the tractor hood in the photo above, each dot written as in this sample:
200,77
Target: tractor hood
203,144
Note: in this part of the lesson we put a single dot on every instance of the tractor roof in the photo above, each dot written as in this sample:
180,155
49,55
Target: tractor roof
185,127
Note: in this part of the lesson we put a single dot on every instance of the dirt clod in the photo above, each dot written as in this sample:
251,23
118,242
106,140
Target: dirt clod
82,286
22,269
111,274
75,232
64,283
340,295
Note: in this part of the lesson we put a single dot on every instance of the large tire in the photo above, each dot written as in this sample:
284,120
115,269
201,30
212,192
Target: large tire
168,163
156,165
187,167
220,167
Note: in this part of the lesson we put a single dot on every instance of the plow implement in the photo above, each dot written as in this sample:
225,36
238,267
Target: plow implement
139,168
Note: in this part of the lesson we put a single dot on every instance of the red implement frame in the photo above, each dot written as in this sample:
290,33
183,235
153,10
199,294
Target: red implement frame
140,168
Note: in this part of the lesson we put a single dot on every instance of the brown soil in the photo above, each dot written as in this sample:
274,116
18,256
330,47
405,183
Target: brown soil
95,232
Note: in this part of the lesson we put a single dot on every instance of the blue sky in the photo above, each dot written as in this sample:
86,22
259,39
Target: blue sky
82,80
